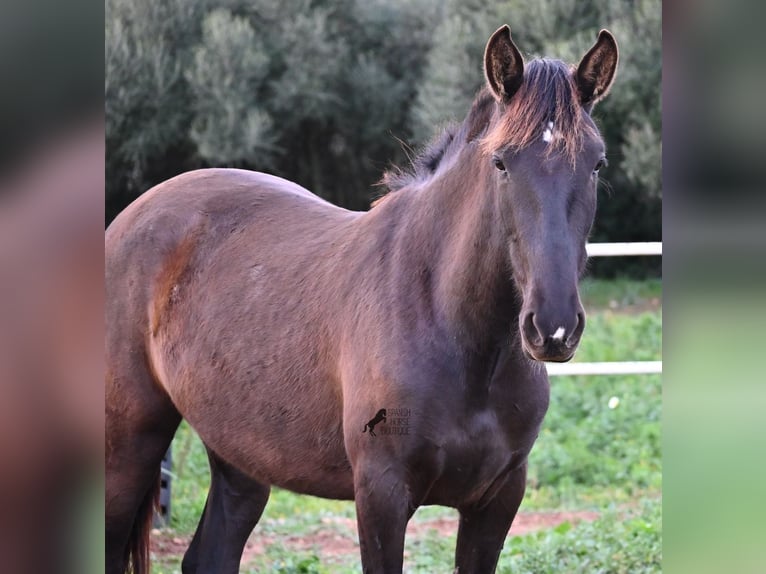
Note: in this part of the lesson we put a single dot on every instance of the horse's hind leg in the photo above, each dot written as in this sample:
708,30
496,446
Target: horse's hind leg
482,532
234,505
140,424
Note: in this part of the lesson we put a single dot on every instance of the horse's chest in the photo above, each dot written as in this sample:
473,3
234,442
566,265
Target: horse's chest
476,456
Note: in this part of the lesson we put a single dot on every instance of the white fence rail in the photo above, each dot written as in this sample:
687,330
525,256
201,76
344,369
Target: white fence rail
622,367
611,368
624,249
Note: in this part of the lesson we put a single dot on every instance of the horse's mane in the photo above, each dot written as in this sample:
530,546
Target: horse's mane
548,94
443,146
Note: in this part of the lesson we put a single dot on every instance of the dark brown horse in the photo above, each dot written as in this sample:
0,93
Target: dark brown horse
277,324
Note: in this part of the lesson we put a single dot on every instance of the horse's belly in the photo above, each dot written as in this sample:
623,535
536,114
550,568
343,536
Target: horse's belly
310,460
260,403
279,430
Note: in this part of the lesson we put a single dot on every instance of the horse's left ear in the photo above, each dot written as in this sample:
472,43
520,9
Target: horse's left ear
597,70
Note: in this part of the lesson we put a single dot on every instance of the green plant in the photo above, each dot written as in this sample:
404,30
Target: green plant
620,542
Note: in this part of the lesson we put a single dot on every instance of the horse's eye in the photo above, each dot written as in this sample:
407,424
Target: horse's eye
601,163
498,163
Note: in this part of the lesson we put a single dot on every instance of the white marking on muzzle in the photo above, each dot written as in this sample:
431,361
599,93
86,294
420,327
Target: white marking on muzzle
559,334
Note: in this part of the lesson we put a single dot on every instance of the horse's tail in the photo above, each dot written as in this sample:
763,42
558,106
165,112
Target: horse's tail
138,544
365,428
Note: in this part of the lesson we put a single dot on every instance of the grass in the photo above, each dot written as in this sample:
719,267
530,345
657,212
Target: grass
591,454
590,451
618,293
617,543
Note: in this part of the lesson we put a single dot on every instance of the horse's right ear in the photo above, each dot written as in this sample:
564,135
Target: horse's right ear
503,65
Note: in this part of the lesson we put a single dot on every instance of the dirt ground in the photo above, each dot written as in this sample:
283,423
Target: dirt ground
339,536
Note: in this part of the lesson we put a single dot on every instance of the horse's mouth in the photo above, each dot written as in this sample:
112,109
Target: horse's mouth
549,353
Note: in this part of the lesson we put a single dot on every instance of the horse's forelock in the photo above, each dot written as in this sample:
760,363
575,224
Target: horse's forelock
547,99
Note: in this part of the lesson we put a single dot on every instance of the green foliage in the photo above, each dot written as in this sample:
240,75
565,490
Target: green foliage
586,443
432,552
617,543
148,105
190,479
630,119
599,294
288,563
229,66
643,161
312,55
451,79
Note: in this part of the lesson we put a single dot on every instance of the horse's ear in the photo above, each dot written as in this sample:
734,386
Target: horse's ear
597,69
503,65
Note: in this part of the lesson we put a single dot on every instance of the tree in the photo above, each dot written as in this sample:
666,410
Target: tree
148,107
227,82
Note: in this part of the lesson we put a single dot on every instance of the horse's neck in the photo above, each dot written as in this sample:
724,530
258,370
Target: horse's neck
461,238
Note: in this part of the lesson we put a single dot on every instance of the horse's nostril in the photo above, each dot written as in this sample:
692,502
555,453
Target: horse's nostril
531,332
574,336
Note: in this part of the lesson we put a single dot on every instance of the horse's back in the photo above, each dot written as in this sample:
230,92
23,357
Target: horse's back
218,193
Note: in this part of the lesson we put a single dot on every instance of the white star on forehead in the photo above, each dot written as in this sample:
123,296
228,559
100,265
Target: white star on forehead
548,133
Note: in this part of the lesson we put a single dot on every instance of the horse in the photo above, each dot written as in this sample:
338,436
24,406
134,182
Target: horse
274,322
380,417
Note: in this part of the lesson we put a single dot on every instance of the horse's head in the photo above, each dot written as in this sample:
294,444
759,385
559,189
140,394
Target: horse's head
546,153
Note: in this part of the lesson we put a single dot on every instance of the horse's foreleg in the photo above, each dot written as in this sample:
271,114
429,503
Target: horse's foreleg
383,507
234,505
482,532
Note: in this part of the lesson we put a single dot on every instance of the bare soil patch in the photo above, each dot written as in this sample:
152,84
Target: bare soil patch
337,536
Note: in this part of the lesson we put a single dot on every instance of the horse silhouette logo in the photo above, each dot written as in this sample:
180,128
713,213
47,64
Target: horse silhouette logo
380,417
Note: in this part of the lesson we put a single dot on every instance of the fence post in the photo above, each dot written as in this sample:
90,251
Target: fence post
162,516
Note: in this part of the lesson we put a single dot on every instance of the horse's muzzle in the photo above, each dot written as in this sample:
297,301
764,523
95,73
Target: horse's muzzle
550,340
